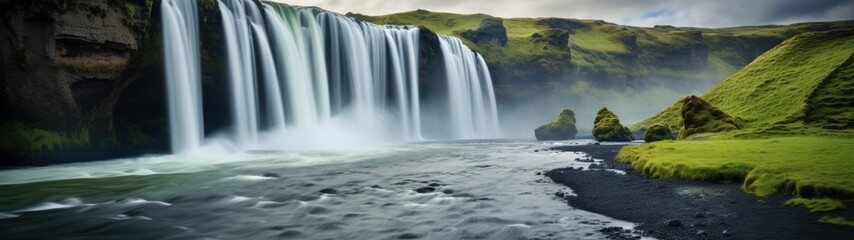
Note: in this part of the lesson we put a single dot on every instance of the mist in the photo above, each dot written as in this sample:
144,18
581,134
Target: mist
519,117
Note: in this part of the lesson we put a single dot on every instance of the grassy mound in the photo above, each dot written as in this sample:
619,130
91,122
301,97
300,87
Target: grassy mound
607,127
807,74
802,166
658,132
562,128
699,116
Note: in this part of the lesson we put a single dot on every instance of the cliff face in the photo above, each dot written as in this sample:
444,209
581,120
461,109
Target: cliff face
64,67
65,61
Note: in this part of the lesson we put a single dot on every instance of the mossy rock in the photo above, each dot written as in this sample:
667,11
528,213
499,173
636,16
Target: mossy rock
491,30
563,128
607,127
658,132
700,116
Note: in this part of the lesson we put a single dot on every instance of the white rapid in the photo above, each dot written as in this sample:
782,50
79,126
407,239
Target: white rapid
182,62
303,75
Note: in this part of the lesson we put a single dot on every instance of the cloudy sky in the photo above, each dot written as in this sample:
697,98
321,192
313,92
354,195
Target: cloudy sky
699,13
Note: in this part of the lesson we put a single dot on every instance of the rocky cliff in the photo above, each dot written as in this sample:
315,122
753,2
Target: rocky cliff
65,68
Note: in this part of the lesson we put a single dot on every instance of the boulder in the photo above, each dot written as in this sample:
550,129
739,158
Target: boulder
700,116
658,132
607,127
562,128
491,30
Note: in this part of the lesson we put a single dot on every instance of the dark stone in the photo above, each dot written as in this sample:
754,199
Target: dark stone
673,223
271,175
375,186
699,215
329,191
425,190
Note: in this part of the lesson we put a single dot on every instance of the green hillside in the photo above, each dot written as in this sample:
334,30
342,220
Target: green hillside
606,49
797,105
807,74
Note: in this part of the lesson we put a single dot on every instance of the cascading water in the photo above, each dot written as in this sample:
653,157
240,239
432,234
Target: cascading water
472,101
183,73
294,70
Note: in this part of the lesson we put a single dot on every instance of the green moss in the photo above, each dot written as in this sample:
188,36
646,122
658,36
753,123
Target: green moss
837,220
699,116
88,65
137,138
777,86
130,14
561,128
802,166
607,127
25,141
658,132
816,205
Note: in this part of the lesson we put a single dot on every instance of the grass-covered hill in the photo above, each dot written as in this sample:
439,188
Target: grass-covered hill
553,63
795,106
807,78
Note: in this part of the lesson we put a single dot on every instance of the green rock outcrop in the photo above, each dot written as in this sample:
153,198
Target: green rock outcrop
562,128
607,127
658,132
491,31
699,116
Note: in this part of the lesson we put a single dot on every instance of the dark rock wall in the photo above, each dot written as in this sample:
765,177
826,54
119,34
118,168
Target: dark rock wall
65,65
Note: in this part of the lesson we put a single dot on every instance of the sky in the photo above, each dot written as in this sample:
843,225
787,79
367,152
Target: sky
645,13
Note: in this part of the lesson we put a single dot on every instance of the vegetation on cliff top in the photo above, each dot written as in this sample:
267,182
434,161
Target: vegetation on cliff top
600,47
561,128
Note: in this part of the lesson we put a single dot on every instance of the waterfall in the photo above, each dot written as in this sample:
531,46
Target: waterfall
294,70
471,100
183,73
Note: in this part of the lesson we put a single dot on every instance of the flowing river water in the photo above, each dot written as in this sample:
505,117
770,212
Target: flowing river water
429,190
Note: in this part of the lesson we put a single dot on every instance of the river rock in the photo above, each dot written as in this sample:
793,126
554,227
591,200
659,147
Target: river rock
673,223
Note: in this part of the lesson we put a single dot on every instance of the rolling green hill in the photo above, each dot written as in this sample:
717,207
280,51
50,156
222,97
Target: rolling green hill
796,102
806,78
542,65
